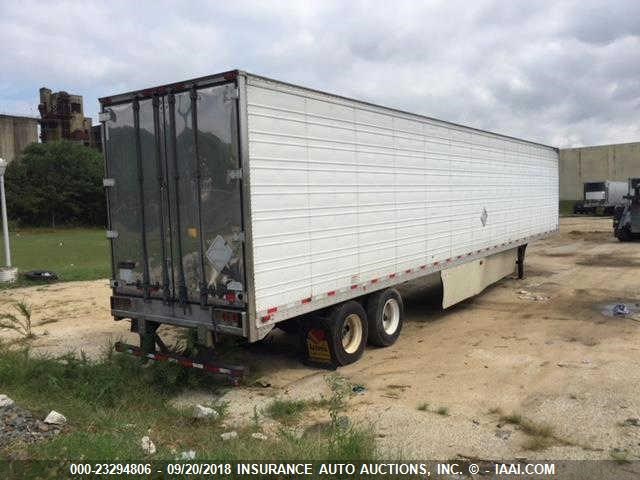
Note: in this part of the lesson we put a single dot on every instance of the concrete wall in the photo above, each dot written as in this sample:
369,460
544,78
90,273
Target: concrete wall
15,134
591,164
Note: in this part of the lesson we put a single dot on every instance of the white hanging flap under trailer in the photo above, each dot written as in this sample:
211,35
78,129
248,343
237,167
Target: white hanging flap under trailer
238,203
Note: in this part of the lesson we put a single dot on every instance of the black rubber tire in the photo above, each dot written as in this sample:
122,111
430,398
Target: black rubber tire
624,235
375,315
336,323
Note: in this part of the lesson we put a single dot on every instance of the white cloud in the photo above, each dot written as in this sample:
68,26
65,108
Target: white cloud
564,73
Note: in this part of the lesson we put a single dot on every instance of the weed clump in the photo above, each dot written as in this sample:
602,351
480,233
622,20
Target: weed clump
20,323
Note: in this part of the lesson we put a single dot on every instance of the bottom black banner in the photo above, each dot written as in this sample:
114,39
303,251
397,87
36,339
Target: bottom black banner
381,470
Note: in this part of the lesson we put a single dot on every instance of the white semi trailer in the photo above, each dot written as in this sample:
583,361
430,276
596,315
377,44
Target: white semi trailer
605,195
238,202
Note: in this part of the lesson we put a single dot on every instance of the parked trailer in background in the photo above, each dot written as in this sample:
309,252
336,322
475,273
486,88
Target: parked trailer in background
237,202
606,195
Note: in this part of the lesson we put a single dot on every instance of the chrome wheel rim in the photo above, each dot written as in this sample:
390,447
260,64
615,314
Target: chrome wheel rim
352,333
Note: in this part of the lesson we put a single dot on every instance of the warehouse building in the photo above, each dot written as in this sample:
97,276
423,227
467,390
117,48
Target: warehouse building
15,134
592,164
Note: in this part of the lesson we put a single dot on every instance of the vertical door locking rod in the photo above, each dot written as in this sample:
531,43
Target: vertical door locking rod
145,254
162,188
196,152
182,287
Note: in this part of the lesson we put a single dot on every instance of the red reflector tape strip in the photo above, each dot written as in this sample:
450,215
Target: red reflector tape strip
332,293
234,373
209,368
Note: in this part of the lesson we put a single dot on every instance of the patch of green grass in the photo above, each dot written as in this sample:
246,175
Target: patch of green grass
425,407
535,443
72,253
285,410
111,403
513,418
540,436
444,411
395,386
19,322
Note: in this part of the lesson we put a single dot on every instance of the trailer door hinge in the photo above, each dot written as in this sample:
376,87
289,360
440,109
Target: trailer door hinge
112,234
106,116
108,182
231,94
234,175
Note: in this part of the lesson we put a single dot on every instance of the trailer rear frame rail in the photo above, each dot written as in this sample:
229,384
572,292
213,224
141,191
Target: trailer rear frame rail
234,373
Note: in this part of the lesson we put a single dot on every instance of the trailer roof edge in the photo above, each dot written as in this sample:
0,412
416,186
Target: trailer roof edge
230,75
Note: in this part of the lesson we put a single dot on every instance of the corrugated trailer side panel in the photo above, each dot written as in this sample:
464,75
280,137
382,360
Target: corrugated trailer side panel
345,193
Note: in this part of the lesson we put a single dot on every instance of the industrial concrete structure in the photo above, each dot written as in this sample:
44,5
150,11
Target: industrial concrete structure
596,164
15,134
62,118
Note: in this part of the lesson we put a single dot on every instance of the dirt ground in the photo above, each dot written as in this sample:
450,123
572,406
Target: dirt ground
541,348
68,317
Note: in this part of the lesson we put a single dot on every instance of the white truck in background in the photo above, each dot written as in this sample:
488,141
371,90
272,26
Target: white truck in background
237,203
604,195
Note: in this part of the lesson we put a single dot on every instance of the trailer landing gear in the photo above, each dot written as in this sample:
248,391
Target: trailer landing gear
520,260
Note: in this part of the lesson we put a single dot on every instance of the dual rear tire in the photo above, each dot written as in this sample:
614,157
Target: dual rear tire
351,325
385,314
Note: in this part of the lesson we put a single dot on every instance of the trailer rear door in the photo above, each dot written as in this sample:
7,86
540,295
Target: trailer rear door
174,196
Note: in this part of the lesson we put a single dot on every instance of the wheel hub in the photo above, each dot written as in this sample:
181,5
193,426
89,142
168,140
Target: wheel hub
390,316
352,333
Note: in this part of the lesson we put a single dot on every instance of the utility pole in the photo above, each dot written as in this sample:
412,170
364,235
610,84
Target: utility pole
7,274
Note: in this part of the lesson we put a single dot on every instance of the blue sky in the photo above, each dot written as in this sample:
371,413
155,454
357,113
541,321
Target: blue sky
566,73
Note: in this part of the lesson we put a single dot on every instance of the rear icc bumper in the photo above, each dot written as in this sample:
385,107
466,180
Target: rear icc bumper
221,320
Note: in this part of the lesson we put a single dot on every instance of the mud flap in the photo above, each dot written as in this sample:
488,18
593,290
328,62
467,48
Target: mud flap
317,349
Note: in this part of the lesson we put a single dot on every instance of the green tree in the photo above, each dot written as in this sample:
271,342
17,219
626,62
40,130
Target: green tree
57,183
